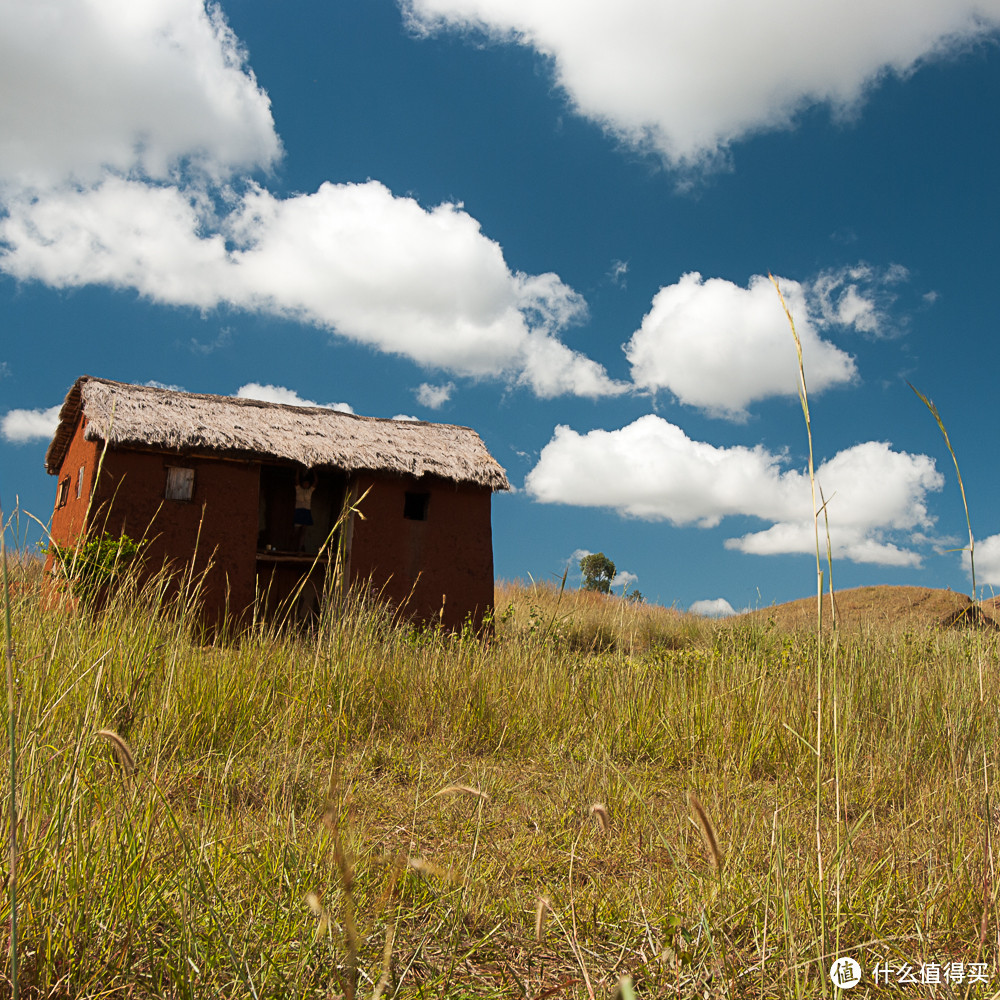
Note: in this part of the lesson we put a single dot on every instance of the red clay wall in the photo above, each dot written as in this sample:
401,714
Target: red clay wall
449,556
451,551
69,520
131,498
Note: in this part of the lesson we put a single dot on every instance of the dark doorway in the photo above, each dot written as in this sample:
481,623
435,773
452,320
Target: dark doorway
276,521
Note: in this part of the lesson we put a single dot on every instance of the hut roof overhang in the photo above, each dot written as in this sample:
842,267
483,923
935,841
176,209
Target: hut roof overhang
139,416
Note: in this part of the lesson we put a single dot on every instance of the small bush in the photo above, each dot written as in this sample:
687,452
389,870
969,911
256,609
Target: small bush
93,565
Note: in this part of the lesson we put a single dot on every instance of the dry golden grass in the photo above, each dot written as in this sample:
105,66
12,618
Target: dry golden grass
591,622
410,814
875,610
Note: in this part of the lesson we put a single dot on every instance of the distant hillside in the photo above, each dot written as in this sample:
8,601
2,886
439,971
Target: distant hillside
895,608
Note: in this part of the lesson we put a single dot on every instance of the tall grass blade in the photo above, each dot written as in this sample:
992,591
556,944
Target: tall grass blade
12,750
804,401
988,864
961,485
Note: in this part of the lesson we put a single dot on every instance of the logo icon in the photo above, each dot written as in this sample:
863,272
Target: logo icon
845,973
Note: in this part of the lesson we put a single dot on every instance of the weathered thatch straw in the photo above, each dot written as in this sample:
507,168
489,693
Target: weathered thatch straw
142,416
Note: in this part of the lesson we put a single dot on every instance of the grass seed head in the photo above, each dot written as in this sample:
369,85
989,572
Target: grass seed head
319,912
121,749
429,868
707,832
541,910
600,813
462,790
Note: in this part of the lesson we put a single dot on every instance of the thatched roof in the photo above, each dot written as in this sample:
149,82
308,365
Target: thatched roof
140,416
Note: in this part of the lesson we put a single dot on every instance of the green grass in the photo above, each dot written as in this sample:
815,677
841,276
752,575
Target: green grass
294,793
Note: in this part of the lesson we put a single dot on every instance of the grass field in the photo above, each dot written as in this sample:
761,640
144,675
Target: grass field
601,798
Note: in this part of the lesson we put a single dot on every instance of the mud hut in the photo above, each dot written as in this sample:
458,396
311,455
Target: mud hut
214,479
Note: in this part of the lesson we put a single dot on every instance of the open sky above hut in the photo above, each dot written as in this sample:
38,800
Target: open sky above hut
552,222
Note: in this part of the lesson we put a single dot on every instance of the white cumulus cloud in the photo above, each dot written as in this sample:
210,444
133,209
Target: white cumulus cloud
651,469
21,426
720,347
131,166
689,79
718,607
987,561
90,86
351,258
288,397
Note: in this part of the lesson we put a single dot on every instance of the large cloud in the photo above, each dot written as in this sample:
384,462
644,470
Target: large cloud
720,347
651,469
689,78
130,167
353,258
121,85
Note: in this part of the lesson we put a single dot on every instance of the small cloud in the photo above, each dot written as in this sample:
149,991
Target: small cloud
860,296
844,236
717,608
4,369
623,578
406,416
944,545
224,339
434,396
931,297
153,384
571,565
619,268
288,397
22,426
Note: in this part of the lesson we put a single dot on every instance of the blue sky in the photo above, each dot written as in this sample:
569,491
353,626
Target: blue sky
552,222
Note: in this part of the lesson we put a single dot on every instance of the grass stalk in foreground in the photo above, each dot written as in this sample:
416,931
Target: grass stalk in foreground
958,473
804,400
836,723
12,746
989,874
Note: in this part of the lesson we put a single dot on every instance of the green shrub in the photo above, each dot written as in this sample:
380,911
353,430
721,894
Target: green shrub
97,562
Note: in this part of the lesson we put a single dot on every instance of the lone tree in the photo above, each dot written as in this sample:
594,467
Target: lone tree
598,572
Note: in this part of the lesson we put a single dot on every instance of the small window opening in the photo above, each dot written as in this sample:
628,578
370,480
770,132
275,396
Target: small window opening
415,506
79,482
180,484
62,492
